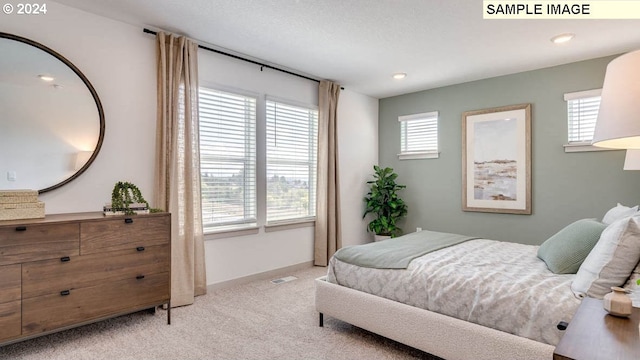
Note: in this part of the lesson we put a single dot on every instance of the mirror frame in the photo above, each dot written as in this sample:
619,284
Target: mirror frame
93,93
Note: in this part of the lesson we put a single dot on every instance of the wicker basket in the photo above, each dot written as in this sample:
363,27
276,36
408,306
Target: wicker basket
7,193
18,199
31,210
18,196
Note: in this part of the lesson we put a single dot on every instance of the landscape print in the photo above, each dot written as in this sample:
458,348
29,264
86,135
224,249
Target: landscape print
494,164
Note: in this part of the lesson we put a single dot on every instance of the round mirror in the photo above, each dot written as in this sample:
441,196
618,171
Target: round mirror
51,120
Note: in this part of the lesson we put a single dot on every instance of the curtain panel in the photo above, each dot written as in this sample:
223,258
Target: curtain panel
177,178
328,237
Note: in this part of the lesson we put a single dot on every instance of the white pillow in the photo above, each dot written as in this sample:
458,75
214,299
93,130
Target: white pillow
611,261
617,213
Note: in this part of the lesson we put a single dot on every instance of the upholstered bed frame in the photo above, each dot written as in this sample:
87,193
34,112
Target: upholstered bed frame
434,333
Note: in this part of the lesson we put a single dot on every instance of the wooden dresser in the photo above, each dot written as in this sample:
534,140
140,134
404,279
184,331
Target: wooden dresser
73,269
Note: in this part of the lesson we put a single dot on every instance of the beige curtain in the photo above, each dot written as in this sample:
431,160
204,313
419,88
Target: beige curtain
328,231
177,178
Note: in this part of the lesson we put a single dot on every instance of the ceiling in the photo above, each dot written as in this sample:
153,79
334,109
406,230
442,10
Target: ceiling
361,43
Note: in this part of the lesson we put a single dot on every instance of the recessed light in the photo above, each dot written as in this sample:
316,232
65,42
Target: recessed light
562,38
399,76
46,77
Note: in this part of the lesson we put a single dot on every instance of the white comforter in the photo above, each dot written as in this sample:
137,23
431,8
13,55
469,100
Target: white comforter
496,284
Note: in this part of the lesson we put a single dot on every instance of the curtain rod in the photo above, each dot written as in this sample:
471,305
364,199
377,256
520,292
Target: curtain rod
245,59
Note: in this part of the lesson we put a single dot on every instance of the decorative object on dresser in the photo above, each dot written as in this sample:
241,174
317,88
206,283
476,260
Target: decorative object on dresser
617,302
127,199
68,270
20,204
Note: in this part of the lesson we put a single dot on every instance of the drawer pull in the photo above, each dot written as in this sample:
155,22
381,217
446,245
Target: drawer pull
140,248
128,221
65,259
65,292
140,277
21,228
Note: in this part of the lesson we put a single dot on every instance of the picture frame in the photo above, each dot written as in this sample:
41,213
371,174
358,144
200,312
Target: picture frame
496,160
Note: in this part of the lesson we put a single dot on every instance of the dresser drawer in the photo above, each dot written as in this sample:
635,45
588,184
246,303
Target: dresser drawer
37,242
52,276
48,312
10,320
9,283
124,232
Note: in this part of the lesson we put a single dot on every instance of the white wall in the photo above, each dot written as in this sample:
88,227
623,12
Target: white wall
358,152
119,60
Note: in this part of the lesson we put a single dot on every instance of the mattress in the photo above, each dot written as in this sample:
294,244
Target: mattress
496,284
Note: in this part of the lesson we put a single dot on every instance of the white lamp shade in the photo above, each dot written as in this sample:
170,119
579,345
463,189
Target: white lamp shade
618,124
632,160
81,158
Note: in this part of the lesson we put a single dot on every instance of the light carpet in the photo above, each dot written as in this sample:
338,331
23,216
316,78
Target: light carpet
258,320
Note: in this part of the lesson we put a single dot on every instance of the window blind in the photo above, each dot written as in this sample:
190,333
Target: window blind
582,113
419,135
292,133
227,158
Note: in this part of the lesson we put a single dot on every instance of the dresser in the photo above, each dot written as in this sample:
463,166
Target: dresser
73,269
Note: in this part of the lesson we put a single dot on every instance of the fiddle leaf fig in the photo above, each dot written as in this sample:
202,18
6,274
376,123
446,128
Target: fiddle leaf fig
383,201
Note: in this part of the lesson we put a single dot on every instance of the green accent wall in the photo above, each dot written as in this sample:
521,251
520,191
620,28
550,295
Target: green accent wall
565,186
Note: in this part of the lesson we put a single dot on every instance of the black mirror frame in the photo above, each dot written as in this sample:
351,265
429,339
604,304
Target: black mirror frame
93,93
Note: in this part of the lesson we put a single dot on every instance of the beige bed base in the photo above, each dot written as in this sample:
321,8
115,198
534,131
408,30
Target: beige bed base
434,333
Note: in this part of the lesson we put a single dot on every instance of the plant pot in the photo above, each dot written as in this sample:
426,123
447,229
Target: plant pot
377,237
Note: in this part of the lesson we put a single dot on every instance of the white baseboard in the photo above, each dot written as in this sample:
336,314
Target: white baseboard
259,276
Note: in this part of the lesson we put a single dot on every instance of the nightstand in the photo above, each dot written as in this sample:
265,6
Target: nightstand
594,334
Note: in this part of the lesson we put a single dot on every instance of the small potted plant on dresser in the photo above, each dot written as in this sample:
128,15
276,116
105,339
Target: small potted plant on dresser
384,203
127,199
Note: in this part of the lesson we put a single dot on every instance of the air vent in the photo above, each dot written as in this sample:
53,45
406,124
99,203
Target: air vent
283,280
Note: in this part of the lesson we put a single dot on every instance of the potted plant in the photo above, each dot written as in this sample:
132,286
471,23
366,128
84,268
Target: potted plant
124,195
384,203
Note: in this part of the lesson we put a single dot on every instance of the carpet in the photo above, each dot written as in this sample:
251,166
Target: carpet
257,320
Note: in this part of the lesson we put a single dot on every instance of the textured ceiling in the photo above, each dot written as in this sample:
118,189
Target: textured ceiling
361,43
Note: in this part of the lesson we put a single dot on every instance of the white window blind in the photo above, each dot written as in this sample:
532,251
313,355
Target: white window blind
419,136
582,112
292,133
227,158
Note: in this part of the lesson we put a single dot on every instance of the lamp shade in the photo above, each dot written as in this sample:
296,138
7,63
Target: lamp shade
618,123
632,160
81,158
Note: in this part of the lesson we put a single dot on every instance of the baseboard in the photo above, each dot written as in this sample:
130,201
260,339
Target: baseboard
259,276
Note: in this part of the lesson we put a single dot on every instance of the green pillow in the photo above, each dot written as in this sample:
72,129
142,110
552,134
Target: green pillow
565,251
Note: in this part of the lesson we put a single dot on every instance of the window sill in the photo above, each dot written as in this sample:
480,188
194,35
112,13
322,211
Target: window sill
570,148
231,232
278,226
431,155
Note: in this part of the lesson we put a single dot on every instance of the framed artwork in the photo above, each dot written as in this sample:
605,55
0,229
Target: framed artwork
496,160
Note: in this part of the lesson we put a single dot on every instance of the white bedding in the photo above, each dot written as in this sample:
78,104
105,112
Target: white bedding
495,284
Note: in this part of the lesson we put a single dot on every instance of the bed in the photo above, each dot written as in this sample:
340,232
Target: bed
476,299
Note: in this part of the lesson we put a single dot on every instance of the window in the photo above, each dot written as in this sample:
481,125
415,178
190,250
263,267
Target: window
419,136
582,112
227,158
291,161
236,195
